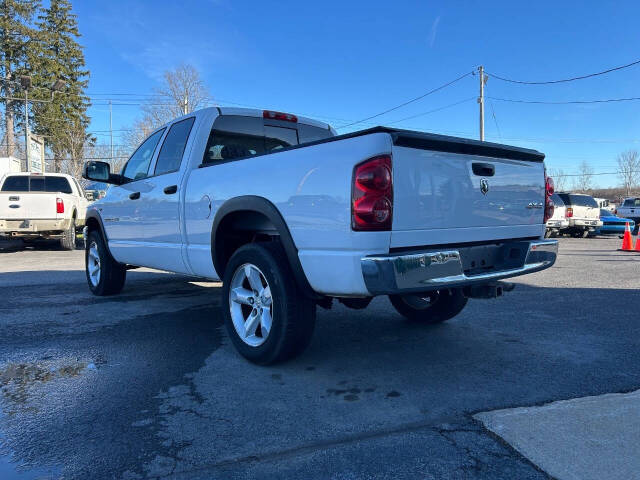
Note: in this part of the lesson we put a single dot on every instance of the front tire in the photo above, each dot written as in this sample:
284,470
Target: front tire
430,307
105,276
267,317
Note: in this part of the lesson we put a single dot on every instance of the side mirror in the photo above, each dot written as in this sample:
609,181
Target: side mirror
100,172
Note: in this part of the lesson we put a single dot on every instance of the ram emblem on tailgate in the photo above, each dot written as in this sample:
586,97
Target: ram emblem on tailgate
484,186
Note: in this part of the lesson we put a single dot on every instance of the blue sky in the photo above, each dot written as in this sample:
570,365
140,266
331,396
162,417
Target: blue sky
347,60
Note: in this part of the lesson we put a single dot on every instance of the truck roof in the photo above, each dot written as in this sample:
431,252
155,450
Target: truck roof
48,174
254,112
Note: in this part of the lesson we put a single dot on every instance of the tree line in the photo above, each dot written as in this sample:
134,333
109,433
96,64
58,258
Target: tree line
41,44
627,170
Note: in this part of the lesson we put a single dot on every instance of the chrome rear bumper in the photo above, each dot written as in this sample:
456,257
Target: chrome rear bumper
418,271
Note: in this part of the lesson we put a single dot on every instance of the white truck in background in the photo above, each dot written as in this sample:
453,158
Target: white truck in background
630,208
35,205
291,216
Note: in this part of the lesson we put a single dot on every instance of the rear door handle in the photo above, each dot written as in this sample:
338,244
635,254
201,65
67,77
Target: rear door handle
171,189
483,169
134,196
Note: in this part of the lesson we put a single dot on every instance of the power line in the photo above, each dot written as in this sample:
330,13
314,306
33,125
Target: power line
582,77
570,102
431,111
495,120
409,101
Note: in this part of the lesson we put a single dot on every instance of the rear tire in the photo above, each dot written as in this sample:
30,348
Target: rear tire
268,318
68,239
110,275
430,307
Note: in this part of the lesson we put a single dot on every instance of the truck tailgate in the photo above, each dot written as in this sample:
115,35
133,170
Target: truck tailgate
443,197
27,205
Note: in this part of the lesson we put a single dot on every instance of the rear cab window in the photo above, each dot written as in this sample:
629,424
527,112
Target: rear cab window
631,202
578,200
16,183
26,183
235,136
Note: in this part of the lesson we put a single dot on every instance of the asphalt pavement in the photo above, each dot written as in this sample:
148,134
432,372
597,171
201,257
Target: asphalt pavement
146,384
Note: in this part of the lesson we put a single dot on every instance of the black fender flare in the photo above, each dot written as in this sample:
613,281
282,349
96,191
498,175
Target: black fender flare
263,206
93,214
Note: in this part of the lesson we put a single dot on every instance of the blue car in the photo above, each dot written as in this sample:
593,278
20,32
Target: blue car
613,224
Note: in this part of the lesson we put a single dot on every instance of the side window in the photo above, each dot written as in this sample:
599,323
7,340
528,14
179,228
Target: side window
173,147
79,188
138,165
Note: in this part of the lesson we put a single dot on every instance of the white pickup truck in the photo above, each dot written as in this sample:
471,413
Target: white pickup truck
35,205
291,216
630,208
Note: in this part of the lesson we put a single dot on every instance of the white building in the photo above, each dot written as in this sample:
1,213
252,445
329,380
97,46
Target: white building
9,165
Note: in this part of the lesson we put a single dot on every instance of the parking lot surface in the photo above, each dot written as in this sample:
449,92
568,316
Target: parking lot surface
147,385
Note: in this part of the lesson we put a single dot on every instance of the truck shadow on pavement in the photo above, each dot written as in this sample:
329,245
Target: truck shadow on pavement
145,383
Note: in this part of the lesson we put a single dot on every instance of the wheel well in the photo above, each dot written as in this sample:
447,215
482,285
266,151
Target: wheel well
237,229
92,224
250,218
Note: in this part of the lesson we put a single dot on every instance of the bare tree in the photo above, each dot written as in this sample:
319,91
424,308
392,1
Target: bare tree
629,170
560,179
182,91
140,130
584,181
75,142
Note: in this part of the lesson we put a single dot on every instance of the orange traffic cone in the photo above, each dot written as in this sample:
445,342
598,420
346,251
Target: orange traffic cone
627,244
638,242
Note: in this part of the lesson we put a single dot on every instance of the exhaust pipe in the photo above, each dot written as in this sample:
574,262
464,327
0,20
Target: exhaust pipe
488,290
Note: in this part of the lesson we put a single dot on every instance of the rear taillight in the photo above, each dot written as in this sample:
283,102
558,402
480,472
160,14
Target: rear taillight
59,205
569,212
548,203
372,195
287,117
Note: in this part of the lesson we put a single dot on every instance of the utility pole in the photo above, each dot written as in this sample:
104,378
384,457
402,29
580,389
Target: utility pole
185,105
26,129
25,81
483,80
481,101
111,129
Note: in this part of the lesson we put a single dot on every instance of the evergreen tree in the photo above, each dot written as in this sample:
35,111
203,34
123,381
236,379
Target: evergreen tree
60,57
17,38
